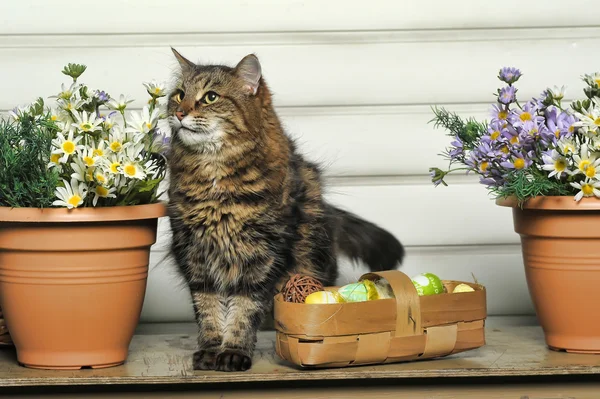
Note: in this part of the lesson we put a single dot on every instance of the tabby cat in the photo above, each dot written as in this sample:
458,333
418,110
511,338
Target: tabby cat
247,210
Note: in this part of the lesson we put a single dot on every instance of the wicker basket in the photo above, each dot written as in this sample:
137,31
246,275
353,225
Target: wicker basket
406,328
4,335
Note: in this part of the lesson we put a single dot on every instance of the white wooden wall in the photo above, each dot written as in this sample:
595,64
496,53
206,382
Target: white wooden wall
353,80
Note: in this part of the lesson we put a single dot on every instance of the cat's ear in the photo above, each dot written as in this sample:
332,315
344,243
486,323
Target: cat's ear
186,65
249,70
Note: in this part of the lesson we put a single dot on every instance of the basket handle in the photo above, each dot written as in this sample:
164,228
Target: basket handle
408,303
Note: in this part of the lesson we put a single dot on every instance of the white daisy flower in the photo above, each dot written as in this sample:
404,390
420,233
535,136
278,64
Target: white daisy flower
133,170
114,164
108,121
89,159
592,79
151,169
66,146
81,172
87,123
120,104
71,195
57,116
558,93
567,146
66,92
143,121
590,121
54,161
594,144
586,162
587,188
155,90
116,139
103,192
556,164
100,149
71,105
100,177
134,151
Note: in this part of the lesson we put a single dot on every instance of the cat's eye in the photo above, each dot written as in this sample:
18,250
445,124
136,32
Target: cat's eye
178,97
210,97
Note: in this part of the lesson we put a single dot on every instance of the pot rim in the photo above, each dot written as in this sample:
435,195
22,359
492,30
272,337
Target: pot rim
86,214
553,203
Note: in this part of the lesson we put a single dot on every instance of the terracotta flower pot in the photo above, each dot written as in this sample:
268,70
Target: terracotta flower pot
561,250
72,282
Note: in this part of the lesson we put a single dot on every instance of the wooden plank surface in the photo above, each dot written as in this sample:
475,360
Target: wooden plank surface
166,359
546,390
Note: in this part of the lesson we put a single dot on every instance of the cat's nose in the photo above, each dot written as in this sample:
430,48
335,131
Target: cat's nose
180,115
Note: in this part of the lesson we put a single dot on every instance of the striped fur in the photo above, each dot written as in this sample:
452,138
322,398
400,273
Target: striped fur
247,210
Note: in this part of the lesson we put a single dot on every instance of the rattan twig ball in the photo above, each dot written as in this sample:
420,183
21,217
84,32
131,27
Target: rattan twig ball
299,286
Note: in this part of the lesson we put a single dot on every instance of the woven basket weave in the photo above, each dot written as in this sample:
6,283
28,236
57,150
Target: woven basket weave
408,327
4,335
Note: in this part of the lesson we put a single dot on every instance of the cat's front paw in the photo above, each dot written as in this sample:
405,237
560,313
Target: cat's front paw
205,359
233,360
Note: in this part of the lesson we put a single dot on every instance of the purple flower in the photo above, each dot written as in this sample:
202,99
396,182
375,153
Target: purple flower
457,149
512,135
506,95
509,75
517,162
543,100
437,176
160,142
494,132
499,113
519,117
101,96
566,124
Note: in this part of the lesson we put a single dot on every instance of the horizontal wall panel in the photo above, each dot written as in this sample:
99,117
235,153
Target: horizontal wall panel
376,140
326,72
420,214
272,15
499,268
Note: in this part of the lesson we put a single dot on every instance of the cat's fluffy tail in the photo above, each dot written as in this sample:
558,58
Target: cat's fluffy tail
359,239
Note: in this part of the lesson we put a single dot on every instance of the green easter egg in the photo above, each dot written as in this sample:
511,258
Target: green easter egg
428,284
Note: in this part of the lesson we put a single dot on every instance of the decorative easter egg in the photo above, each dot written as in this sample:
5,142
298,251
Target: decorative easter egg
463,288
428,284
321,297
359,292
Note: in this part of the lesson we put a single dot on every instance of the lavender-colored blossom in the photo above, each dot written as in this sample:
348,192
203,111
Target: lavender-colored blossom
544,99
511,135
499,113
560,124
509,75
101,96
528,113
518,162
437,176
457,148
160,142
566,123
507,95
495,130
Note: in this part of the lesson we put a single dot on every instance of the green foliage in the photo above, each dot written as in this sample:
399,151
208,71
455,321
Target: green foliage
25,146
529,183
469,131
74,70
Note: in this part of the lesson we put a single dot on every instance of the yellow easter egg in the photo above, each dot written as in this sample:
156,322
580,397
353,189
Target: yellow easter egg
463,288
321,297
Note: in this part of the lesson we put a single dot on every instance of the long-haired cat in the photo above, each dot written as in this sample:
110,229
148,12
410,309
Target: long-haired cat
247,210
